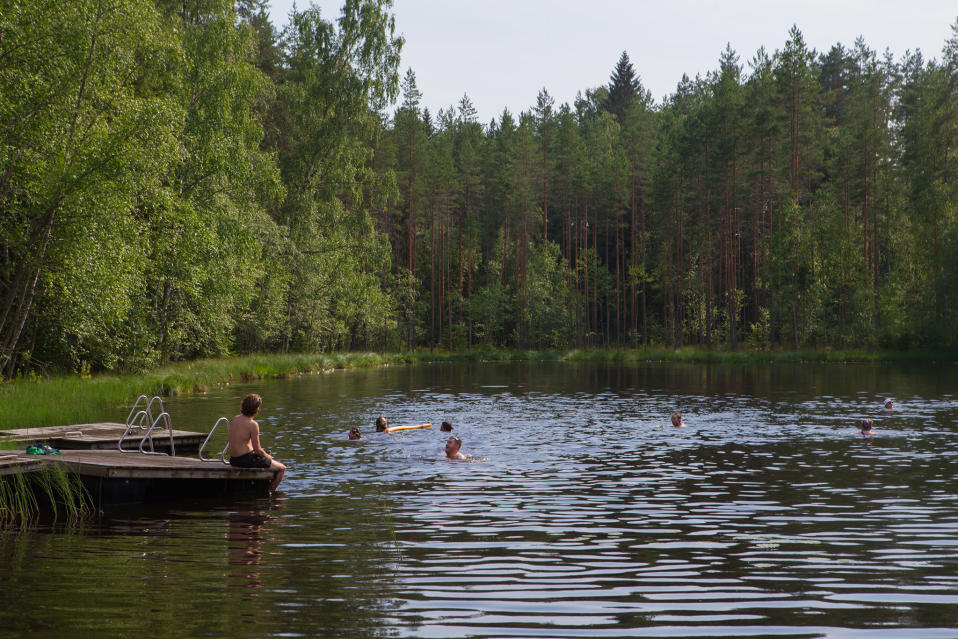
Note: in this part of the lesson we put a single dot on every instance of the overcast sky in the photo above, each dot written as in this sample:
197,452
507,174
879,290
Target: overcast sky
502,52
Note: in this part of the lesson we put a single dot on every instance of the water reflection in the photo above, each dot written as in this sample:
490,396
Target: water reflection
245,533
768,515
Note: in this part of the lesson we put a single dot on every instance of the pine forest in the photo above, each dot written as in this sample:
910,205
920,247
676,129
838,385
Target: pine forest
180,179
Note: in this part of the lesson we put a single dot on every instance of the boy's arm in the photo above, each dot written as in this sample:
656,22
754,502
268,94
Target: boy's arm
254,440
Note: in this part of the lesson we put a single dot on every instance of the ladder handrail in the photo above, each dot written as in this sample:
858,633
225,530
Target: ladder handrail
206,441
169,426
135,422
129,418
149,407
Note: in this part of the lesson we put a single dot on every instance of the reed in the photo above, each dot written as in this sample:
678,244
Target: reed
75,400
63,490
35,402
50,489
18,502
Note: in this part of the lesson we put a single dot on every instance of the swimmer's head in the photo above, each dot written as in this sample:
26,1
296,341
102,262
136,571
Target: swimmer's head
453,444
889,404
867,425
676,419
380,424
446,427
354,433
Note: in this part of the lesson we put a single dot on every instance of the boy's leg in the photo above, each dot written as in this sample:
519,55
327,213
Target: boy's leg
279,469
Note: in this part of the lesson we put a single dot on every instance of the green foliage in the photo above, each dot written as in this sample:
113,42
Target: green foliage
178,181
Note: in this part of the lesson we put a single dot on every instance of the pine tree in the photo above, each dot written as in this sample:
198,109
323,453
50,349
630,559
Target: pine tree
624,87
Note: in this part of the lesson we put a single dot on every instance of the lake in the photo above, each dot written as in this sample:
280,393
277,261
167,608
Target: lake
584,514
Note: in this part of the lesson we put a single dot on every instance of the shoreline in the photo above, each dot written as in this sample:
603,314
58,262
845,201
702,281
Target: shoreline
35,402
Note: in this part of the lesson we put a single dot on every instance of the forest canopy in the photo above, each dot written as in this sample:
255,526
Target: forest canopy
182,180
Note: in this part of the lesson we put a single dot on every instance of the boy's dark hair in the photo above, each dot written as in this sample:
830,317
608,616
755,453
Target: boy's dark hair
380,424
446,427
251,404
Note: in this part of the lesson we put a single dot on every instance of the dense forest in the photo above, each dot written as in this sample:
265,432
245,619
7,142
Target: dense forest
180,180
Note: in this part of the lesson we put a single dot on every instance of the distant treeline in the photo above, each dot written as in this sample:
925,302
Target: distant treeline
179,180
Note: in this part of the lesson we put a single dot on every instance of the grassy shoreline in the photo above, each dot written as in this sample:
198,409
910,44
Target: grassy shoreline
28,403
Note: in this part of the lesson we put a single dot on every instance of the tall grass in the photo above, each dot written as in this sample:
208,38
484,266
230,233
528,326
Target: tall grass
73,400
18,502
52,488
63,490
686,354
26,403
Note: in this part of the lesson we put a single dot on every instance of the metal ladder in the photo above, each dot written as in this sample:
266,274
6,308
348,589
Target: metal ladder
137,420
207,440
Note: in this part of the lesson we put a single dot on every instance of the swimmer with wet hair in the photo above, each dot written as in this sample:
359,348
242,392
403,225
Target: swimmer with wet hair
354,433
381,424
446,427
677,420
889,404
453,444
867,425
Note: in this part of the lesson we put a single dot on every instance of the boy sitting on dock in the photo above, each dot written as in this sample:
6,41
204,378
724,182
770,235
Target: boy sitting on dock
245,450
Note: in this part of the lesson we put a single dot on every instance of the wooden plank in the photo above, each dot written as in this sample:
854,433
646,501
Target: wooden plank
13,462
114,464
103,435
46,432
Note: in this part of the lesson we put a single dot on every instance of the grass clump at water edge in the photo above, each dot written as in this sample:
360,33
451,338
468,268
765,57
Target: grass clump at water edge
51,488
31,403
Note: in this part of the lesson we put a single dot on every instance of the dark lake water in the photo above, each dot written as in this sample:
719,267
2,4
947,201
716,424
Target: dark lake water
585,515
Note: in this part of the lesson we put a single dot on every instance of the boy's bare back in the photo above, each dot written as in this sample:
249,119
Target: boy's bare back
244,436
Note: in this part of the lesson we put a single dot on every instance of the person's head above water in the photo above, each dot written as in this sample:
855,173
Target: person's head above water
354,433
867,426
380,424
677,420
446,427
453,444
889,404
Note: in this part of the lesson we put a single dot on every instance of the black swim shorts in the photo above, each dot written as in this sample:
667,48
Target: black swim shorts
250,460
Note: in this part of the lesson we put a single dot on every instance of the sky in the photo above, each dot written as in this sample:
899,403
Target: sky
503,52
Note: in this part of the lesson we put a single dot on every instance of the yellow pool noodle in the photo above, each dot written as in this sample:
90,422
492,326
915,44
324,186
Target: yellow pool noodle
394,429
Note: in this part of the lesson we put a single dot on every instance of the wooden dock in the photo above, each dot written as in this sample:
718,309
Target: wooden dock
104,436
113,477
16,462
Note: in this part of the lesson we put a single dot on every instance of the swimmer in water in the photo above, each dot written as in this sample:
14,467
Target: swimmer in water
446,427
381,424
677,420
889,404
453,444
867,427
354,433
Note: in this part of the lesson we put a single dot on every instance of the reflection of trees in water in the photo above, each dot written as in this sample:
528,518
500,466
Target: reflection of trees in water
797,379
328,569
